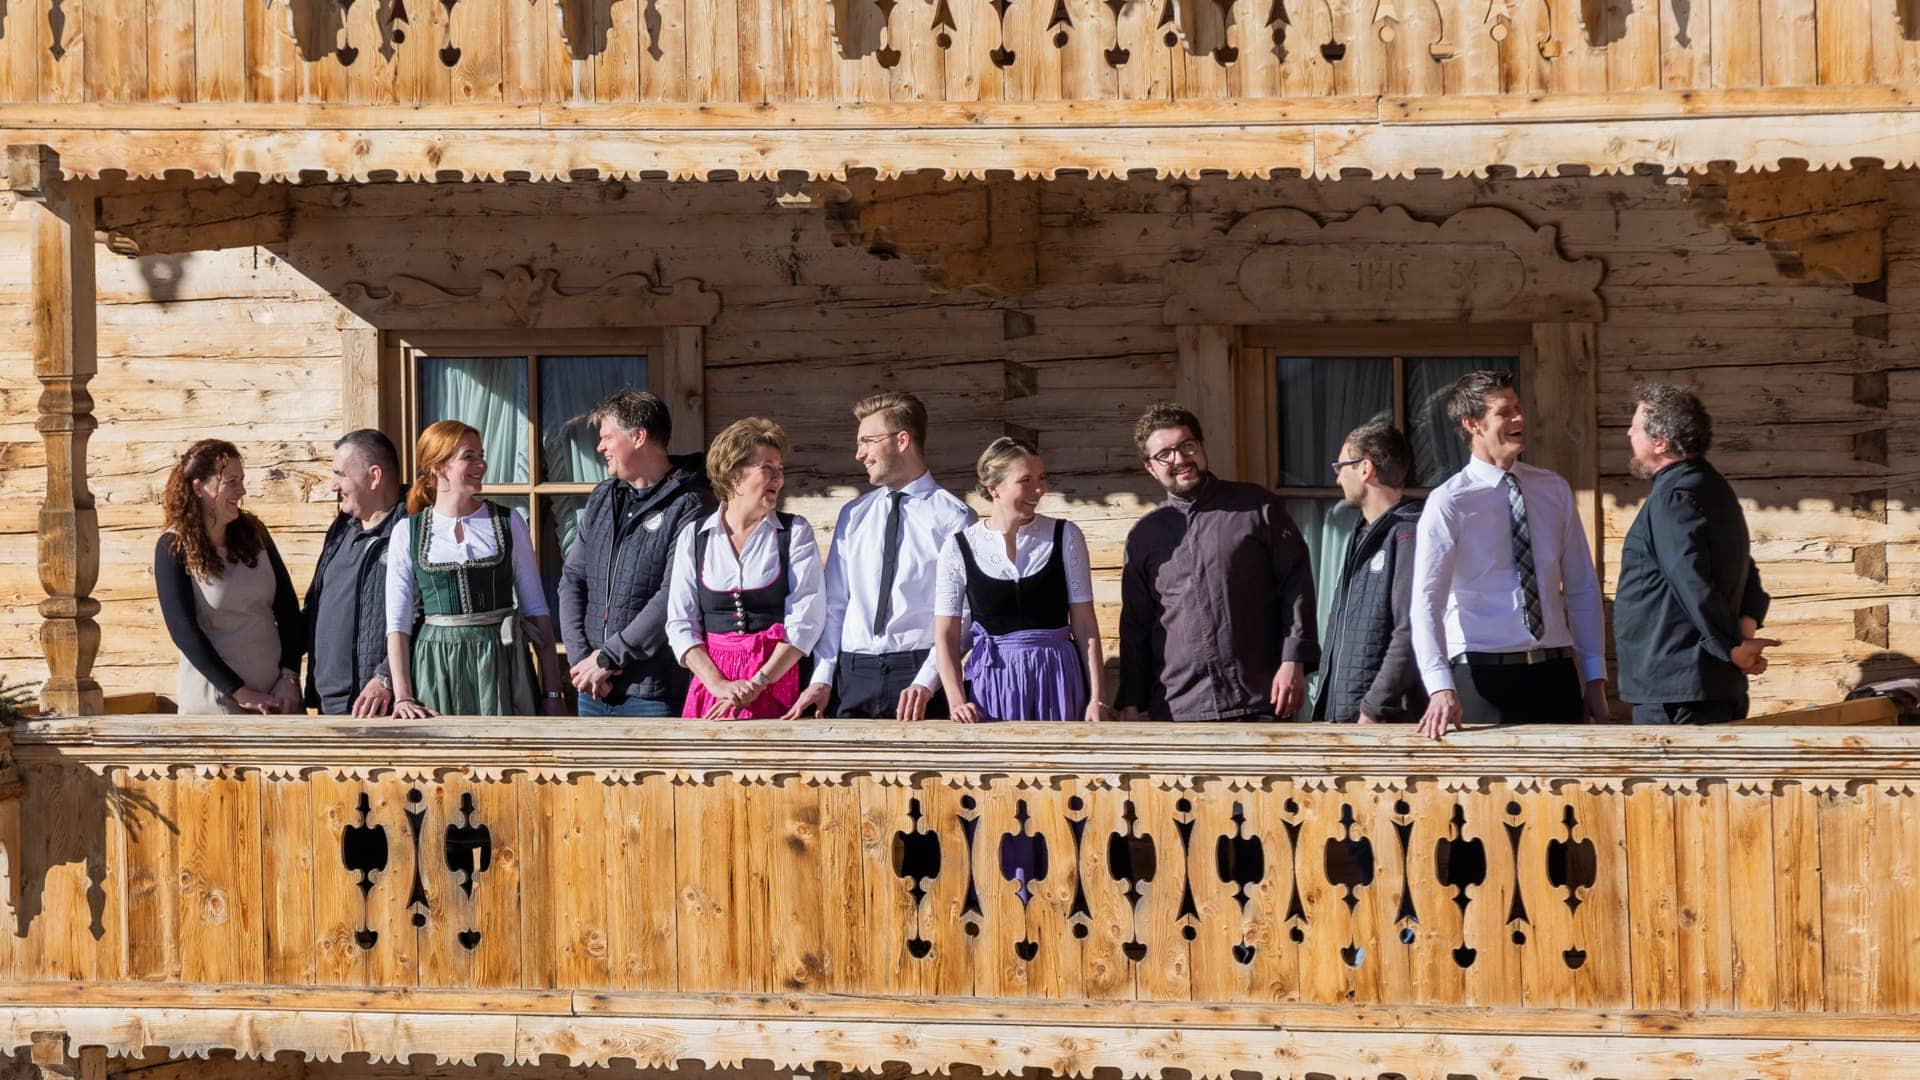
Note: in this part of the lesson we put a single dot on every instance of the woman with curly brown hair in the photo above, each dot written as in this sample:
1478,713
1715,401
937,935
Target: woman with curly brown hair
224,592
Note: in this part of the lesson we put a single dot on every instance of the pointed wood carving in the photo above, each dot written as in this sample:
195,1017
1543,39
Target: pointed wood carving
65,358
1483,264
521,296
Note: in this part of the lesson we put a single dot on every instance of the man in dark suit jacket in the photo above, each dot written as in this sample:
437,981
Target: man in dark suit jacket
1689,603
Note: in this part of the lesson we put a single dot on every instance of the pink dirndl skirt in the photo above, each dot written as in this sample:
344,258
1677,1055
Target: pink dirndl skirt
738,656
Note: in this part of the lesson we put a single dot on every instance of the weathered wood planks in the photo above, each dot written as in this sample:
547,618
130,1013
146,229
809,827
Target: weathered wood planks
663,859
754,51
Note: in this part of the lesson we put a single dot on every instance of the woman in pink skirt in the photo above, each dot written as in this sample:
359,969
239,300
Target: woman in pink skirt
744,603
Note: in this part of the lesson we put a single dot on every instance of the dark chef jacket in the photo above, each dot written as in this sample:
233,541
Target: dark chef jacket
1686,577
1217,593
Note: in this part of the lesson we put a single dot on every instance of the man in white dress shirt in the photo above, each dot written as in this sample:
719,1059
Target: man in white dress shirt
1506,617
875,657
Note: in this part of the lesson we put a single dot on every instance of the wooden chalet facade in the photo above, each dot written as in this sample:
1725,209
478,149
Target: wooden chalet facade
277,220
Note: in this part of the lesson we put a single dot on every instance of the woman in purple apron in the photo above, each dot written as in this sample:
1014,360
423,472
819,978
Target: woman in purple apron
744,603
1020,587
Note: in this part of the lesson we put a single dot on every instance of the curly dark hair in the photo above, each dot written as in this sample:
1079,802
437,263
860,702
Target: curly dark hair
1676,415
180,509
1164,414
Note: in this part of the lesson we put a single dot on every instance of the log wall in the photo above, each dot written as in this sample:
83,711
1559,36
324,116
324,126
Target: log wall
1790,307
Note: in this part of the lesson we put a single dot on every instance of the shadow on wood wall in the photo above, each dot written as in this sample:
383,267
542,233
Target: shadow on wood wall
72,833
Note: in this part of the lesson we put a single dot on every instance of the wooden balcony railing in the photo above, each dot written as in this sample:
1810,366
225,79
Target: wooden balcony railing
1066,897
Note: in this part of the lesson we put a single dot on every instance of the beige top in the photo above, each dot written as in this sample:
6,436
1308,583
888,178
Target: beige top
236,612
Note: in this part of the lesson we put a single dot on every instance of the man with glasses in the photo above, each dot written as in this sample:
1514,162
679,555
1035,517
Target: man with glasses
875,657
1216,601
1368,674
1506,610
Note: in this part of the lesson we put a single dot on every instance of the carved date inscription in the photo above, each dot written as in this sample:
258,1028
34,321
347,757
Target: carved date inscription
1373,277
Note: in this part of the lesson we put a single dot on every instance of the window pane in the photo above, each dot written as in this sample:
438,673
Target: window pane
1321,399
489,393
559,524
570,386
1327,525
1438,449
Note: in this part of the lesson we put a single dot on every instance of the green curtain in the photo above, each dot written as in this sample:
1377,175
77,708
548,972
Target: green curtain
1322,399
489,393
570,387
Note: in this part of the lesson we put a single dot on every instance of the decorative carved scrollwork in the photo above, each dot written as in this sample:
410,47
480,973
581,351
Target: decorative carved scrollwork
1482,264
521,296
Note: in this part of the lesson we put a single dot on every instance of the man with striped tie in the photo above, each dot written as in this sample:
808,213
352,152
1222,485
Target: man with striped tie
1506,614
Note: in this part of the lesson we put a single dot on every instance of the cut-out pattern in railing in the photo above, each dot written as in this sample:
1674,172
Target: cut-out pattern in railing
1441,891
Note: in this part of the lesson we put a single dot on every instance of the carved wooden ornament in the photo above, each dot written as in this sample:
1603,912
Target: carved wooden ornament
1484,264
522,297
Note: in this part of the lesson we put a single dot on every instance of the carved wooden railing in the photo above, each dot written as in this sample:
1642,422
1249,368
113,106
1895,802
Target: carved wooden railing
1068,897
518,52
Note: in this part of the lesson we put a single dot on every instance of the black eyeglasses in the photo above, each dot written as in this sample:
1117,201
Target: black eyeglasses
1189,449
1343,463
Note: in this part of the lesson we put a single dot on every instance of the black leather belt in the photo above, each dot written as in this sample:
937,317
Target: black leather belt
1498,659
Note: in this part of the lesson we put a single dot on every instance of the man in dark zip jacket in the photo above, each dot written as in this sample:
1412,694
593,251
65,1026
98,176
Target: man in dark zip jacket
613,587
346,606
1367,670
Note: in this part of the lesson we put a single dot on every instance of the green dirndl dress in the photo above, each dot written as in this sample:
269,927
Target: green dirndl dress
470,657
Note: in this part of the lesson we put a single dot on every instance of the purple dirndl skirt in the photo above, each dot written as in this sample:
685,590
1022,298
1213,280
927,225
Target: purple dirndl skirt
1026,675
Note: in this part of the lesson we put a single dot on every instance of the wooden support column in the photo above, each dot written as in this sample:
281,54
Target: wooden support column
50,1056
682,384
61,215
10,789
1203,381
1564,416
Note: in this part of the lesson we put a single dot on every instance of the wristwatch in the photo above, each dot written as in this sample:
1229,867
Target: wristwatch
555,695
604,661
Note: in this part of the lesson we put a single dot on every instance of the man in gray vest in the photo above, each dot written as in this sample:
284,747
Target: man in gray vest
1367,673
613,588
346,607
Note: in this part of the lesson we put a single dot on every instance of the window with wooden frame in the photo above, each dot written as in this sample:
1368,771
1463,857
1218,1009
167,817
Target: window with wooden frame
1304,388
529,394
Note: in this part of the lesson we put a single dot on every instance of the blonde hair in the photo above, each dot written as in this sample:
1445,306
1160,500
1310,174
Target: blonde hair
436,447
997,458
734,447
903,411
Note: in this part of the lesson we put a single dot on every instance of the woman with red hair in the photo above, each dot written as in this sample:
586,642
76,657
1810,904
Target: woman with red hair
462,573
224,593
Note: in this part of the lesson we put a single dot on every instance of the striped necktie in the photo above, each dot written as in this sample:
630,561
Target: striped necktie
1523,552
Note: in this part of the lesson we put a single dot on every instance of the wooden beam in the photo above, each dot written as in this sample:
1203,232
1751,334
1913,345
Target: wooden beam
361,390
61,223
1562,390
1329,149
681,383
827,752
1203,382
49,1054
10,855
1000,1039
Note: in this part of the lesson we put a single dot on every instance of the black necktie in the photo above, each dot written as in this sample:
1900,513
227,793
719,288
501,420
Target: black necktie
889,564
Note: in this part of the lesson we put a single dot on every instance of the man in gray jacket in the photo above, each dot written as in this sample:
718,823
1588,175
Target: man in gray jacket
613,588
1367,669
